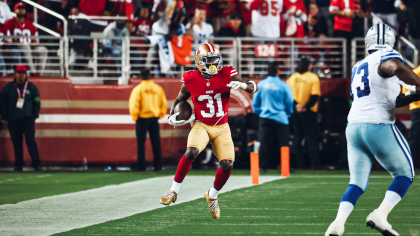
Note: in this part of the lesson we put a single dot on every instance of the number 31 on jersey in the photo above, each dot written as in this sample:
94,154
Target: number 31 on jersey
211,105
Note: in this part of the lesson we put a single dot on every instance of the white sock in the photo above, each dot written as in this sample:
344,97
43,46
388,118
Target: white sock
175,186
343,212
213,193
391,199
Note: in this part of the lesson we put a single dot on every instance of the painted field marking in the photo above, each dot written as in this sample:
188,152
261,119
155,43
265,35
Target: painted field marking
11,180
60,213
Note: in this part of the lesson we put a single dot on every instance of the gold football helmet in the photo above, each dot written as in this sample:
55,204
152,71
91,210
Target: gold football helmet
208,59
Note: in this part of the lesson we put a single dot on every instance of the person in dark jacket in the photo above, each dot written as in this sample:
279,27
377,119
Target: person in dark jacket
233,28
20,105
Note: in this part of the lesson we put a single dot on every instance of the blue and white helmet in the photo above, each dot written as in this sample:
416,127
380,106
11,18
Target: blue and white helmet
379,36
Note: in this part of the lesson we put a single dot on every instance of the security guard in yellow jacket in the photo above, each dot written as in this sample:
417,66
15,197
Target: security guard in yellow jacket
147,105
415,127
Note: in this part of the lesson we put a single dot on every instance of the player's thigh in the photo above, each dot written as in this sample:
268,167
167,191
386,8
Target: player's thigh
223,147
359,158
391,150
198,137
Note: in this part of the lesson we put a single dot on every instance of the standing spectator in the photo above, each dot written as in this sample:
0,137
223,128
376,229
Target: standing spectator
412,7
386,10
113,47
274,105
266,18
317,24
142,25
233,28
306,89
59,6
415,126
244,10
201,29
148,105
85,27
348,21
3,32
5,13
20,26
219,12
20,105
295,15
324,6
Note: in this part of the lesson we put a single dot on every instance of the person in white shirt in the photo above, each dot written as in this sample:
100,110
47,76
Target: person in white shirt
5,13
266,18
201,29
113,47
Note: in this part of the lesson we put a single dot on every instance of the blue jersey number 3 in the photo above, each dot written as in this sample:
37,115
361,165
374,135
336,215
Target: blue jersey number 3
360,76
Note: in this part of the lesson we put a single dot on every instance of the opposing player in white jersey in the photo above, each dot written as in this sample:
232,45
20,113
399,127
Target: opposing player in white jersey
371,133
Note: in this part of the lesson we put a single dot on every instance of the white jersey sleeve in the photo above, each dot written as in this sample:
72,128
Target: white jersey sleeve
374,97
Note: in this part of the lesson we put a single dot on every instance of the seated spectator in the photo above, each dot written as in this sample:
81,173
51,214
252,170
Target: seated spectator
295,17
316,27
20,26
5,13
3,32
219,12
85,27
201,29
113,47
142,24
233,28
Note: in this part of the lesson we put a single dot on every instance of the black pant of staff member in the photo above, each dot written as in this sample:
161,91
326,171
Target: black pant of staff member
20,105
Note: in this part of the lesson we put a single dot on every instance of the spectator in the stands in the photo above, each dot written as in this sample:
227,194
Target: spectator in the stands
273,103
386,10
192,5
412,7
219,12
5,13
306,89
266,25
113,47
348,21
59,6
4,31
20,105
147,105
233,28
85,27
348,17
295,17
317,24
202,31
142,24
26,47
246,13
324,6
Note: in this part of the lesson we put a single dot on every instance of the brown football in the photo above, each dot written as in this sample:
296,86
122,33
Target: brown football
184,109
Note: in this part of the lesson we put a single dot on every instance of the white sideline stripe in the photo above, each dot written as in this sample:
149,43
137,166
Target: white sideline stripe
90,119
61,213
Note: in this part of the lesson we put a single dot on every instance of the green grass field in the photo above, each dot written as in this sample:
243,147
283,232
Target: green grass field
304,204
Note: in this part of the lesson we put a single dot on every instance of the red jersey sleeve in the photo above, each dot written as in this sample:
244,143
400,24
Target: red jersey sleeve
232,71
334,5
186,77
255,5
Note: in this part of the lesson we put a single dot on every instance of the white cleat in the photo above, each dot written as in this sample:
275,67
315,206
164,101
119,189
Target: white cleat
377,220
335,229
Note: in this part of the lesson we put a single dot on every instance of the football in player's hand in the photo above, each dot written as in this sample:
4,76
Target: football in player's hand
184,109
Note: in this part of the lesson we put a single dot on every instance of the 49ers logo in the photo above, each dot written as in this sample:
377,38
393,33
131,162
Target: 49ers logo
197,52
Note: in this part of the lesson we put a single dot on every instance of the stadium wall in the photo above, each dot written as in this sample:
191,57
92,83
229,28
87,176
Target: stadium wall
93,122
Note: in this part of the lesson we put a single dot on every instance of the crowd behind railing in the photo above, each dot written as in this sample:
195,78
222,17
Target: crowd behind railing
166,32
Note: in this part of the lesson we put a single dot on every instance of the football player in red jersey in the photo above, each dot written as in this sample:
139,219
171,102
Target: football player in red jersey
20,26
209,87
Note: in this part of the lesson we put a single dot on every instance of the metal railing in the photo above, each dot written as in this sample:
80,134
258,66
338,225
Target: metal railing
328,55
93,59
43,55
408,51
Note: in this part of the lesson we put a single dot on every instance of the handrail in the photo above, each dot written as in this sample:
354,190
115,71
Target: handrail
73,17
36,5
